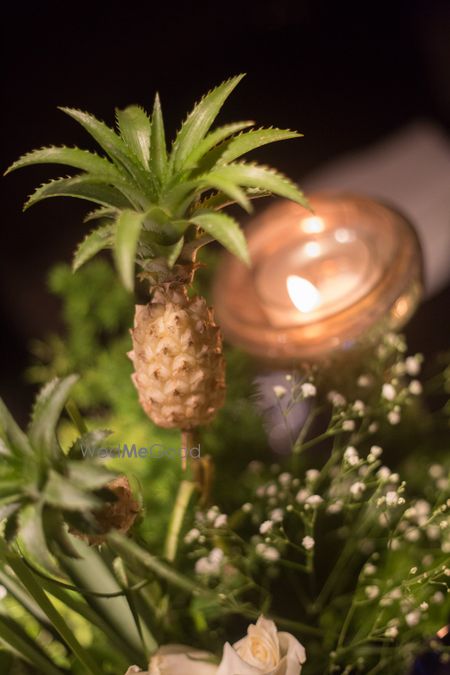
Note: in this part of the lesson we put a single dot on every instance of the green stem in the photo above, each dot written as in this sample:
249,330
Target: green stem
185,492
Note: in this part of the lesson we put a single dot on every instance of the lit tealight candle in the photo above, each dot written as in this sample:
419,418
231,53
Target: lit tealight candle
320,282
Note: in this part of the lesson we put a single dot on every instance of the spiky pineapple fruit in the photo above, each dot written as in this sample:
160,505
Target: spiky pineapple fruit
157,209
178,360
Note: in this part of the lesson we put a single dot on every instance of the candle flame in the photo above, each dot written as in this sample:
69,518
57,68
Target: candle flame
304,295
312,224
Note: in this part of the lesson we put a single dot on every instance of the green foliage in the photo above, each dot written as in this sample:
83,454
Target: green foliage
138,175
39,487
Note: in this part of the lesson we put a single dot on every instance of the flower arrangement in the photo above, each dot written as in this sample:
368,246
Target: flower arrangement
334,558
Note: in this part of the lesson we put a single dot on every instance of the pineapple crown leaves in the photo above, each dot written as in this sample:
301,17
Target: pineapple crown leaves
153,202
42,487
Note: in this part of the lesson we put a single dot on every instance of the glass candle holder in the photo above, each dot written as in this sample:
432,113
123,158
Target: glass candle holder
321,282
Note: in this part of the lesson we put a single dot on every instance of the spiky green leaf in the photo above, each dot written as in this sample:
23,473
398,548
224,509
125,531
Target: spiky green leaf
115,147
18,441
245,142
85,446
128,228
174,253
257,176
158,147
134,127
88,475
88,187
215,137
46,412
99,239
74,157
225,230
100,213
62,493
233,191
199,121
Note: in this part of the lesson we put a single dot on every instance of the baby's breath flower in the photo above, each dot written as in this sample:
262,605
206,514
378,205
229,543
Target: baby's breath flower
376,451
412,618
388,391
357,489
284,478
271,490
212,514
436,471
336,399
276,515
391,632
288,378
192,536
369,569
302,495
308,543
312,475
392,498
348,425
373,428
394,417
412,535
308,390
279,391
336,507
221,520
364,381
412,365
266,526
247,507
211,565
384,473
359,407
269,553
438,598
372,592
314,501
415,387
424,606
351,455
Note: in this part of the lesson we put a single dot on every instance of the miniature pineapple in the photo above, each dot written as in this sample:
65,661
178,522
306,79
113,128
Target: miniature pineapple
178,360
157,209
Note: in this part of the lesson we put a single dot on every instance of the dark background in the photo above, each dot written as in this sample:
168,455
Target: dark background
344,74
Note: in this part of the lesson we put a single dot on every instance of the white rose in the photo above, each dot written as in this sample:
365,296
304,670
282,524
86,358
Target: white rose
177,660
263,651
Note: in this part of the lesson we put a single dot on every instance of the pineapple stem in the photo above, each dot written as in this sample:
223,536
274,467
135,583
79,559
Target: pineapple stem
185,492
187,442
